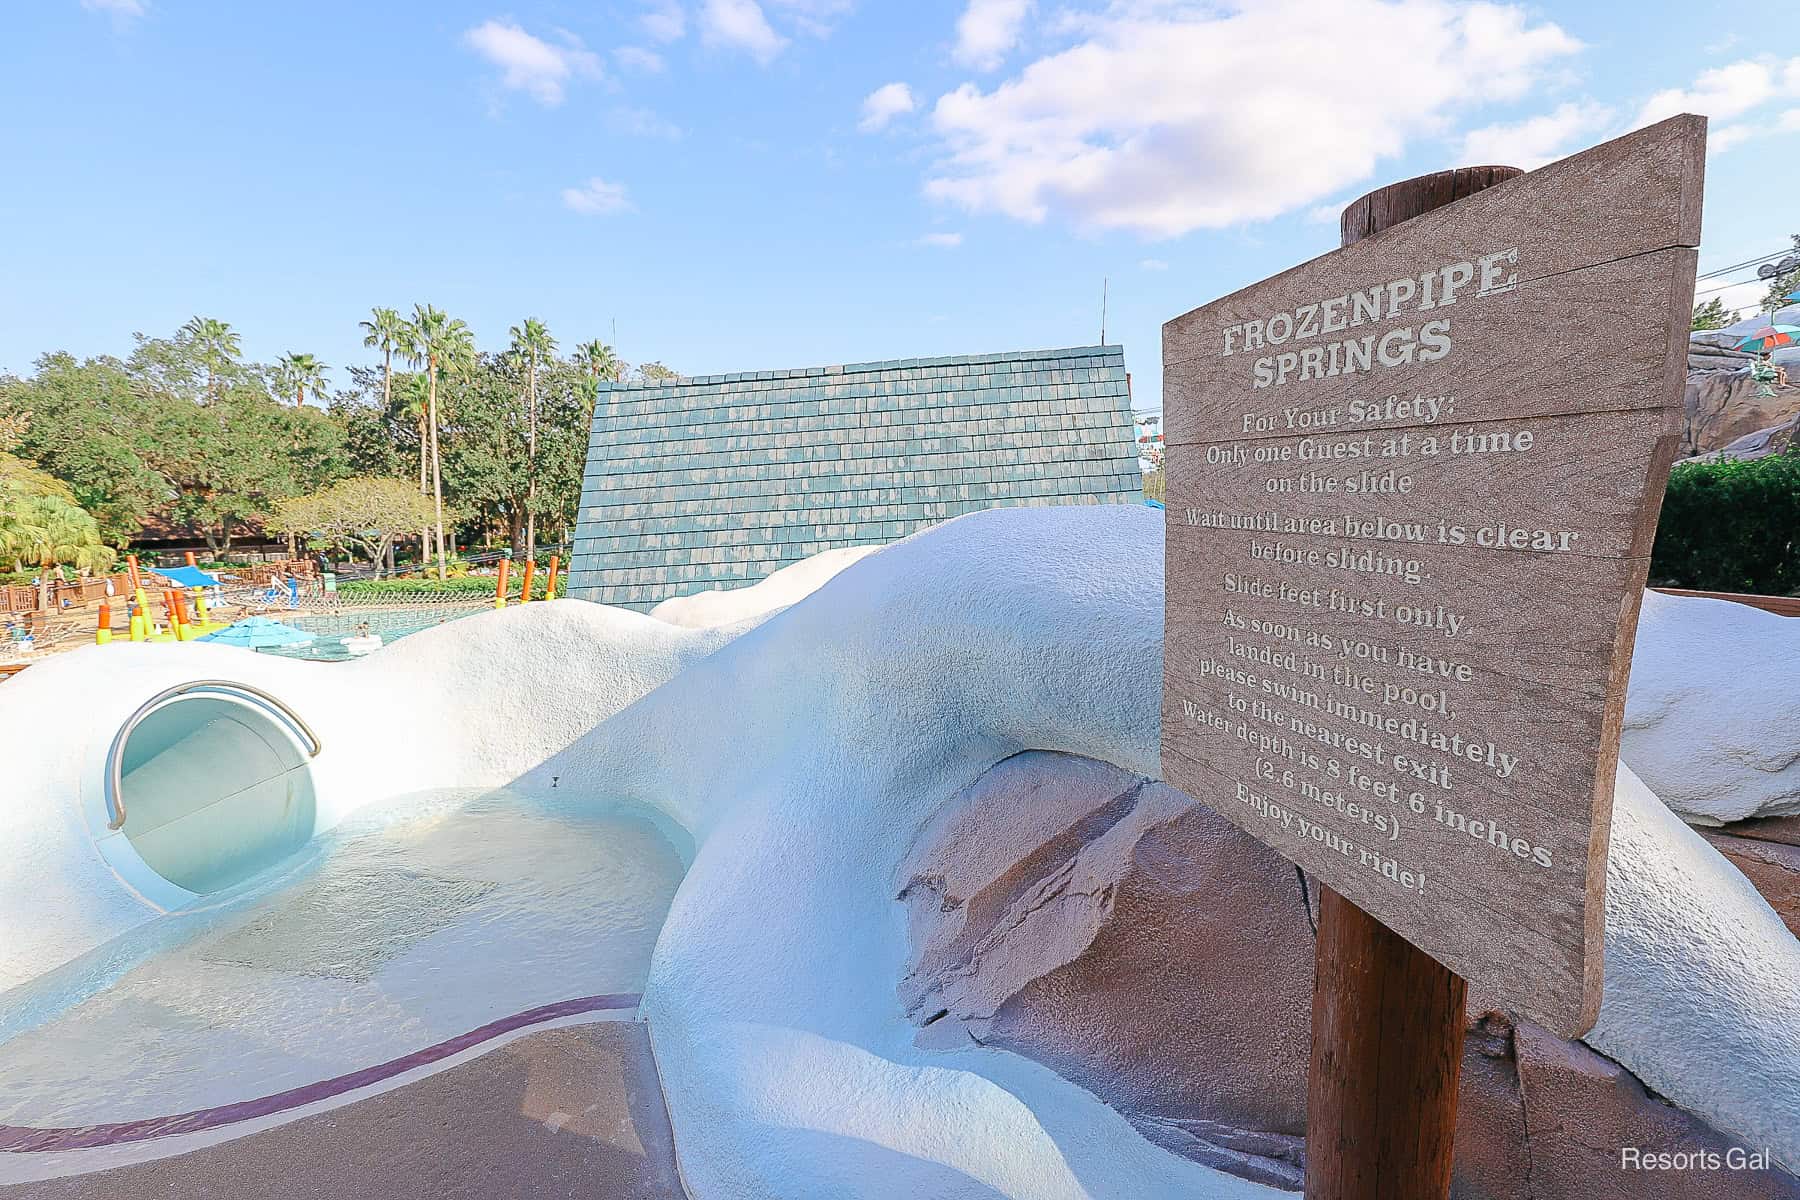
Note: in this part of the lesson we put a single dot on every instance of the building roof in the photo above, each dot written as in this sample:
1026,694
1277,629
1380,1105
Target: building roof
719,480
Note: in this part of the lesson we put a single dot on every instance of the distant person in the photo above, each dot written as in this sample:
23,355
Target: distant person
1767,374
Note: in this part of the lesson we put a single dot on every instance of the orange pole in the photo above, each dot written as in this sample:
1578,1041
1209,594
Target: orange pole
550,584
500,583
103,627
525,592
190,559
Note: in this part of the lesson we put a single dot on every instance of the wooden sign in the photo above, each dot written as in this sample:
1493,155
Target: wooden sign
1412,490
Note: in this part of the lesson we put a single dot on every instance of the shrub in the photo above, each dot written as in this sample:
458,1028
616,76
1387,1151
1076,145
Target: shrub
1731,526
468,587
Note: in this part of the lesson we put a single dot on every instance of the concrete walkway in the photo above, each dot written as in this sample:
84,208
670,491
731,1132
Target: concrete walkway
570,1112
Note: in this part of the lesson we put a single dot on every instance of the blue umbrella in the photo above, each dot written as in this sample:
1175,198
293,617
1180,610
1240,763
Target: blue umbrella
257,632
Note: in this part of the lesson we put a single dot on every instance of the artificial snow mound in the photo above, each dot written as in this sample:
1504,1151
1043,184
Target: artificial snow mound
1712,718
803,758
813,749
730,606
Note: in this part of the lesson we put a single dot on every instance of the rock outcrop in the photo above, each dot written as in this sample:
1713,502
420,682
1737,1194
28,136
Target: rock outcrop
1723,406
1136,942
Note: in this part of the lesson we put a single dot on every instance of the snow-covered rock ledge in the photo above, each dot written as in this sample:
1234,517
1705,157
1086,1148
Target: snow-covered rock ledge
815,747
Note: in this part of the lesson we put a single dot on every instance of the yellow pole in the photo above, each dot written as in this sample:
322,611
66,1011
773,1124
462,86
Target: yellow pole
103,628
200,609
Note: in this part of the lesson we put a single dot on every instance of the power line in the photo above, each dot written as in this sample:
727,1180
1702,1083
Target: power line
1748,262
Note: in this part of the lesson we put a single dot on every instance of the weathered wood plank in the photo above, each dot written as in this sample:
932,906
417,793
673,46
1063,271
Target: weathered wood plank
1313,510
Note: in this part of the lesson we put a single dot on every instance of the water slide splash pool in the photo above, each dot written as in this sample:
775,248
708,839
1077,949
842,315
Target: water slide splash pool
416,921
791,763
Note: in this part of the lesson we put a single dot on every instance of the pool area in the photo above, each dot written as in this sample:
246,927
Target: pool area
332,632
417,924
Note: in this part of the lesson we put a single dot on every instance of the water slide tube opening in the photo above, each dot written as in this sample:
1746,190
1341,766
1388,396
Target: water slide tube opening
211,783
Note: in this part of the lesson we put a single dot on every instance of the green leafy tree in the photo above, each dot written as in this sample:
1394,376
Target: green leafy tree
441,345
655,372
1711,315
231,461
365,513
489,470
1782,286
87,423
299,374
599,360
533,346
218,345
375,442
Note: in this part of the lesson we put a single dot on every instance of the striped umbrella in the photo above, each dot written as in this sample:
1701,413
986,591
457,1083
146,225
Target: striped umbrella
1769,337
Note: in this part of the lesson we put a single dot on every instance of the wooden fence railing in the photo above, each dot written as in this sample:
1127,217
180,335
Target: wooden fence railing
1785,606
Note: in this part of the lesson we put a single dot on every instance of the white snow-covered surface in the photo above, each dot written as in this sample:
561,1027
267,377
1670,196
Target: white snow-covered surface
730,606
802,756
1712,718
465,705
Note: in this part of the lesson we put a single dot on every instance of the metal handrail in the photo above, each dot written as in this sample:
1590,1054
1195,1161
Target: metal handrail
115,759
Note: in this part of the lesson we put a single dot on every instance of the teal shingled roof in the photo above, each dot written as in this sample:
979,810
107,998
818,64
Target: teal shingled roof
719,480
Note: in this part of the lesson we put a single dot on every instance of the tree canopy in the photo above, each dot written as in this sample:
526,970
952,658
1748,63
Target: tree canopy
364,513
184,429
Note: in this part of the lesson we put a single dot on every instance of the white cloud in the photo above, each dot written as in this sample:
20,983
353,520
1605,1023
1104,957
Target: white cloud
740,24
884,104
1728,91
987,30
1531,143
1153,264
1727,137
530,64
1325,214
597,198
1165,116
637,58
642,122
816,18
119,10
665,21
945,241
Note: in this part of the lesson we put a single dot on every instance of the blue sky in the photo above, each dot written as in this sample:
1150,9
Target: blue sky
747,184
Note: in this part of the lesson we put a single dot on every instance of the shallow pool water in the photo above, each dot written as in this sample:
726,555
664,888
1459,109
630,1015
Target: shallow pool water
331,632
414,922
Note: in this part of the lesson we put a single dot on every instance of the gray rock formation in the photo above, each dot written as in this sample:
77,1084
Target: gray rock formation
1722,406
1136,942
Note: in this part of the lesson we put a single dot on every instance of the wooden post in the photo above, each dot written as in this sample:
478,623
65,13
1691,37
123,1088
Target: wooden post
1387,1028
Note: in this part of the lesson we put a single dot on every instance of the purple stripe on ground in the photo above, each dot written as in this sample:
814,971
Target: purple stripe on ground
16,1139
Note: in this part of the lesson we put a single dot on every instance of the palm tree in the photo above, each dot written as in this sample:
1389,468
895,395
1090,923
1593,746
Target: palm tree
383,331
532,344
414,406
301,373
441,345
600,361
218,345
47,531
